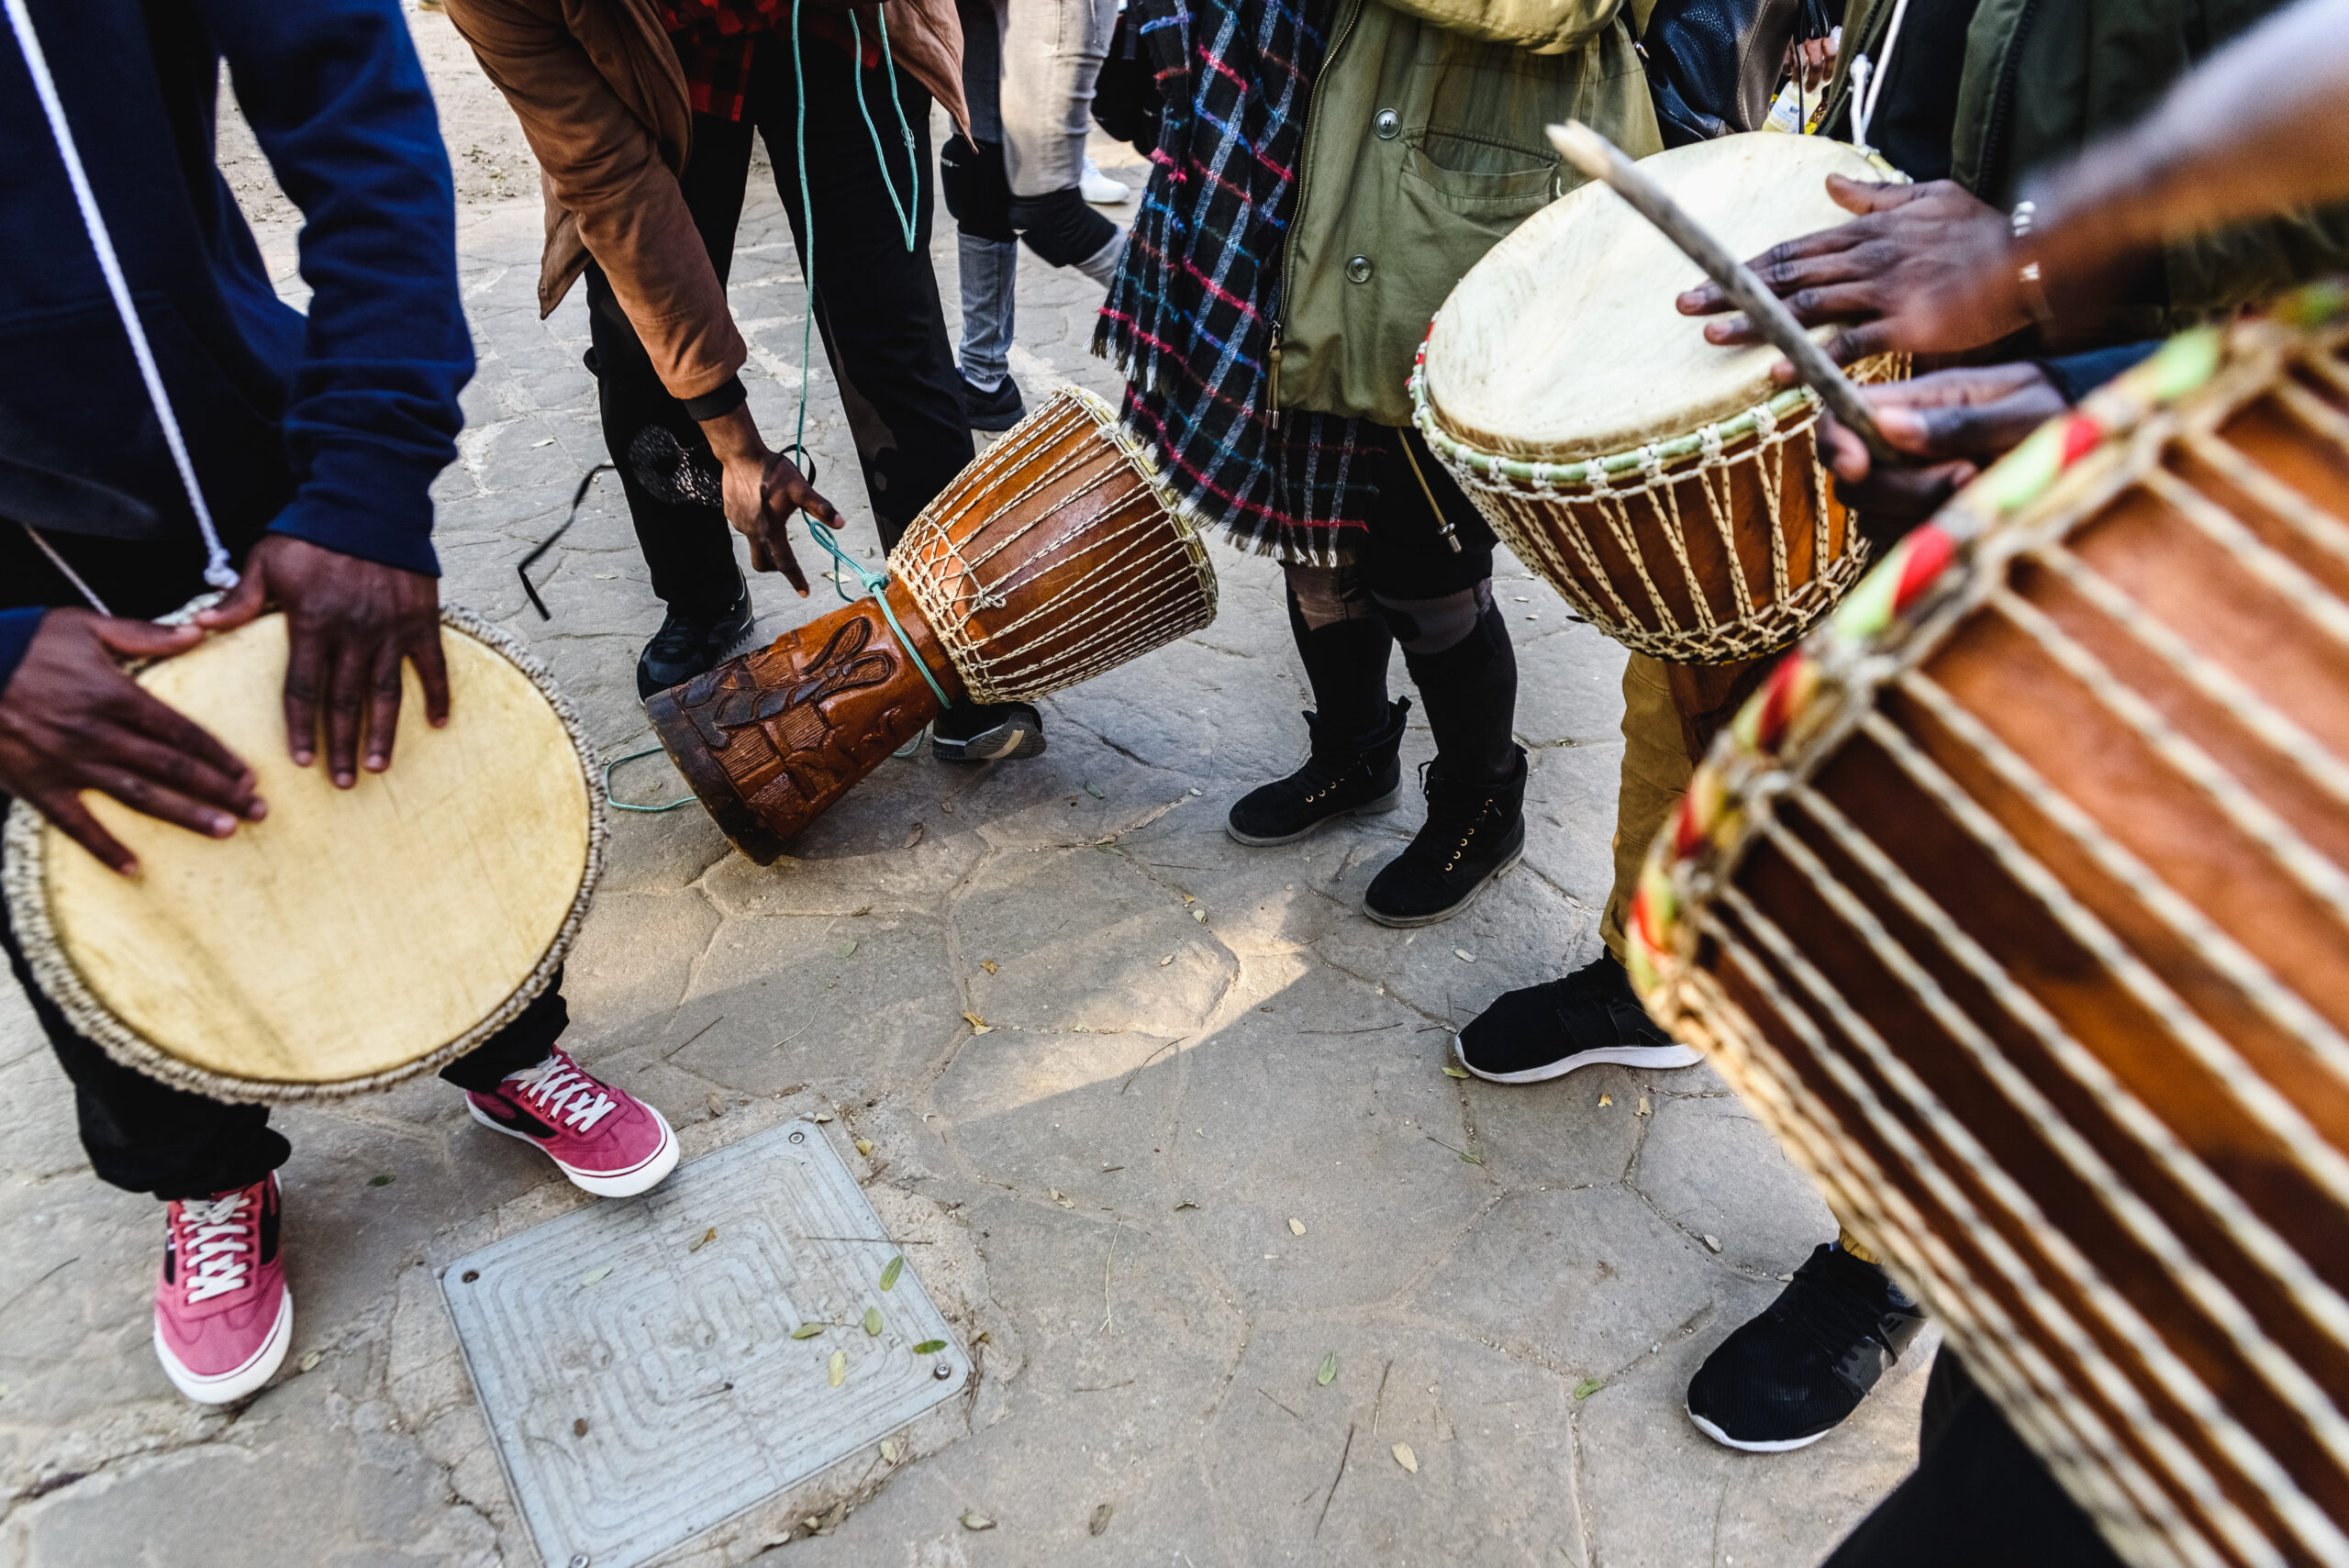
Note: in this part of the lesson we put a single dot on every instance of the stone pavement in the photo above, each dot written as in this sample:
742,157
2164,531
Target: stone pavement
1187,1046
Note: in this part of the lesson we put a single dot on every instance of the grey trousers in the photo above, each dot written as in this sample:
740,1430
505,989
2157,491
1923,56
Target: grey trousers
1029,80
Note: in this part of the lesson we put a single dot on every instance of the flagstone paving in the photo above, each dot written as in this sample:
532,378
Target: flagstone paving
1183,1047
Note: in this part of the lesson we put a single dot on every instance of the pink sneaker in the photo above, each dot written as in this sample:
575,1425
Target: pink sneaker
223,1316
605,1139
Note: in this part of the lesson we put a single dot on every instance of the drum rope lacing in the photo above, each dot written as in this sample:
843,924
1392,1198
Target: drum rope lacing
1105,614
1519,497
1788,784
217,570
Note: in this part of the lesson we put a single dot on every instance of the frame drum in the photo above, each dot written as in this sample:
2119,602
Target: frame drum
352,938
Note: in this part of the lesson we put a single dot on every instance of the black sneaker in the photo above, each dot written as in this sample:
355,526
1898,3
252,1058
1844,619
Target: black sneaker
1475,832
997,410
1790,1377
689,645
1546,1031
1335,781
973,732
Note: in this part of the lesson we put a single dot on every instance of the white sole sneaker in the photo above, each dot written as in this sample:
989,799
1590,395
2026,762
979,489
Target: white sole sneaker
1783,1445
1658,1057
641,1177
222,1388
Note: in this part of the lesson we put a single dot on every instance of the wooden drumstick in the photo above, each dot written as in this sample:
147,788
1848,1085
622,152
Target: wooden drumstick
1600,159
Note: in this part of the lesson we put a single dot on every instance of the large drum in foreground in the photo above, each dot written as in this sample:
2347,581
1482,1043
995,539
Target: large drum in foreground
1055,556
1661,483
2017,905
354,937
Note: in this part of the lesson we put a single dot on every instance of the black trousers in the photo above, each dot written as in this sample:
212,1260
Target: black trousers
877,309
146,1136
1977,1497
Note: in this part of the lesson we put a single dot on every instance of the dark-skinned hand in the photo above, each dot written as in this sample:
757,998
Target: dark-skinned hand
1897,278
352,623
71,721
761,490
1953,422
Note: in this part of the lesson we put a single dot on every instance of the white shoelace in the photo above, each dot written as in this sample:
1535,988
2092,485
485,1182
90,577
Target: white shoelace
218,1236
563,1092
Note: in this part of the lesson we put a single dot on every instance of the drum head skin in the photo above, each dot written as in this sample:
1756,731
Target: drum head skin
1563,342
353,933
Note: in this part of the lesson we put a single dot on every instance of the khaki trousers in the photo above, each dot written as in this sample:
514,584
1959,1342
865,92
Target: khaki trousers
1656,765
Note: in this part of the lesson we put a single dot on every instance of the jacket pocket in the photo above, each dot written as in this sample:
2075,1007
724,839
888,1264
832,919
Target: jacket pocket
1487,182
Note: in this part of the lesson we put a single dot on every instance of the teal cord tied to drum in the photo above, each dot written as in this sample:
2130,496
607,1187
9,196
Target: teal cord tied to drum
907,210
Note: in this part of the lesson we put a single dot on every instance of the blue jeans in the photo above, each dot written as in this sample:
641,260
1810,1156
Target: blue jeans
989,268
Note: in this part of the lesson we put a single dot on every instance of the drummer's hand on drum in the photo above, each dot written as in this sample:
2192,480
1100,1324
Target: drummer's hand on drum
1897,277
1953,422
354,624
763,489
71,720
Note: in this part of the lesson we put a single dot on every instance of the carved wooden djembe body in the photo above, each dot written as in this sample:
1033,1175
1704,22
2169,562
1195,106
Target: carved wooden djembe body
1055,556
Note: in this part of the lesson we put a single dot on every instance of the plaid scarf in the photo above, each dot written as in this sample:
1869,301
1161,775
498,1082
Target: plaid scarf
1190,319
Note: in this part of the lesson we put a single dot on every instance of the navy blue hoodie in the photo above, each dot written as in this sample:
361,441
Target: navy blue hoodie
330,428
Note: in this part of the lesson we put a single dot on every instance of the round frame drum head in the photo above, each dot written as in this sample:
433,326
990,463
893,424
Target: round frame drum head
351,938
1562,343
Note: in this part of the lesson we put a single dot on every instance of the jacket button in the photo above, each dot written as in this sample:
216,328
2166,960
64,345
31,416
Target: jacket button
1388,124
1358,269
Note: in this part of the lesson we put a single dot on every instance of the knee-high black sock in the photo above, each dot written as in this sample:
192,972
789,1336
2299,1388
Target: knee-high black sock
1470,692
1346,663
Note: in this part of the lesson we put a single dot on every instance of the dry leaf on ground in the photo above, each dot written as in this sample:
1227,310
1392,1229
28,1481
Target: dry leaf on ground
973,1520
889,1275
988,964
1455,1072
872,1322
840,1368
1405,1458
1296,1228
1100,1520
595,1274
864,1146
706,1238
1327,1370
806,1330
1588,1386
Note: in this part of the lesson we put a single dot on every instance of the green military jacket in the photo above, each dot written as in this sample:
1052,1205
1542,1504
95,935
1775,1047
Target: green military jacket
1424,145
2043,78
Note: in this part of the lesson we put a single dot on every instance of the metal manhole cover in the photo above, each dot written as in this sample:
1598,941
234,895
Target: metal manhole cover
642,1389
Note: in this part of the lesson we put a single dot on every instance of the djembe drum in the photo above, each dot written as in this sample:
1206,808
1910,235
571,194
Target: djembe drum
2017,904
1661,483
354,937
1057,555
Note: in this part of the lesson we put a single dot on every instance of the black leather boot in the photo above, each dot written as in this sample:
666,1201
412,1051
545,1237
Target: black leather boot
1475,831
1343,777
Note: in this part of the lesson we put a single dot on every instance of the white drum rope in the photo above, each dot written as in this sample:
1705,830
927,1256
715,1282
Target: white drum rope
217,570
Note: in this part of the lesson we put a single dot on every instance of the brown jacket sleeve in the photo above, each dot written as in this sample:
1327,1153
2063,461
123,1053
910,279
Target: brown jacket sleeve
576,77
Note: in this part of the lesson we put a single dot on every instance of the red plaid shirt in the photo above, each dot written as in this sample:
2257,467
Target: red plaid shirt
714,40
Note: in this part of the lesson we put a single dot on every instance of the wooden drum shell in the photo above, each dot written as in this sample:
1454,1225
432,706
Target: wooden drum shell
1791,562
1054,556
2034,954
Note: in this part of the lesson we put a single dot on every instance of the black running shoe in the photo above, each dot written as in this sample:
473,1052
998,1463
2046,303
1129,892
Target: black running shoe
688,645
1475,832
997,410
1546,1031
1791,1376
1336,781
974,732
